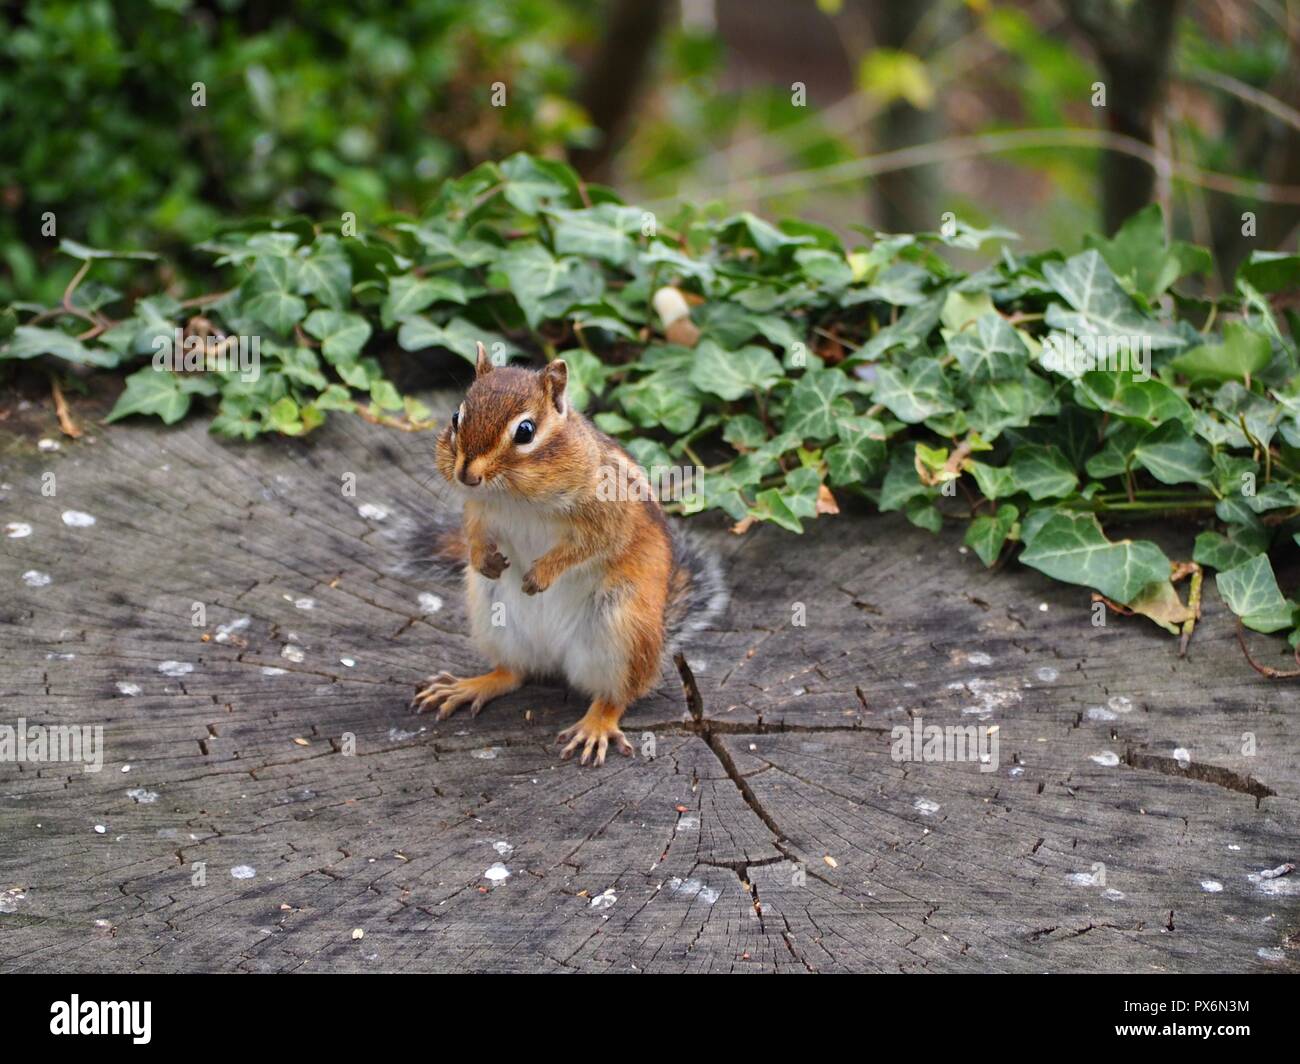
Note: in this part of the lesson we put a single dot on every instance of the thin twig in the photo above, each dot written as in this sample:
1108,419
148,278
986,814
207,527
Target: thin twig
402,424
1266,670
61,410
1193,604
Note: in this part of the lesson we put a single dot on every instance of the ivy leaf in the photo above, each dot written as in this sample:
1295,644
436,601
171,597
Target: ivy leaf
1271,271
299,364
987,534
385,396
269,294
342,335
729,323
859,453
909,332
151,391
923,513
744,432
235,418
1149,401
419,334
602,316
994,482
600,232
1042,472
962,309
1242,354
155,316
1102,309
1074,549
1276,495
1251,592
1246,527
1173,455
1239,404
438,239
532,184
801,490
991,350
327,274
31,341
1160,602
901,485
826,268
284,417
771,505
902,285
409,295
1218,551
546,287
613,424
817,405
1139,258
732,375
1012,403
762,235
662,399
587,376
914,392
970,238
89,254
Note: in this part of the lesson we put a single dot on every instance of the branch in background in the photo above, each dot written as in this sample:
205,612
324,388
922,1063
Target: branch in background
947,151
1133,44
1248,94
613,79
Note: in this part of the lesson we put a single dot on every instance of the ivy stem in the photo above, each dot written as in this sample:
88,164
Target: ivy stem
1149,493
1155,505
1193,604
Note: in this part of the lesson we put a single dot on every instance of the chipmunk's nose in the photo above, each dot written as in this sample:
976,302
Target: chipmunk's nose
467,479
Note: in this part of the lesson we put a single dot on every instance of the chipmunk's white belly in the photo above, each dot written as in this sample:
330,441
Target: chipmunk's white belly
559,631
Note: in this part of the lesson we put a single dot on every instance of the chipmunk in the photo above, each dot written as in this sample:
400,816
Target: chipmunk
563,576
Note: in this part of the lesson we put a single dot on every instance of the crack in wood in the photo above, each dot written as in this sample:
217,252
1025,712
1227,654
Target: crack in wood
1215,774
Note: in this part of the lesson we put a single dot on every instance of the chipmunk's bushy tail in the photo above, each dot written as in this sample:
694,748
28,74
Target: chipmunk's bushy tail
432,546
697,590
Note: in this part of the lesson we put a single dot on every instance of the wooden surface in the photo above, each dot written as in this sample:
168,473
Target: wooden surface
772,831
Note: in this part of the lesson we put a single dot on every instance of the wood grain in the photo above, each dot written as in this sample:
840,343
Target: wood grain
771,831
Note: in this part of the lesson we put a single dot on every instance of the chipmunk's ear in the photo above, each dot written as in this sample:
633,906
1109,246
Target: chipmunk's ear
555,380
484,365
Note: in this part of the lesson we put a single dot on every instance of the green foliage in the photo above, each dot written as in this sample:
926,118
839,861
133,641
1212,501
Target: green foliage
820,370
314,105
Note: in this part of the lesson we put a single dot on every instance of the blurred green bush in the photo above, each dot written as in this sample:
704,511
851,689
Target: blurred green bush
322,106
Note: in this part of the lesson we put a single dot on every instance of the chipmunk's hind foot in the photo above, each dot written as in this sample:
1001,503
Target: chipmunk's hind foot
446,693
594,732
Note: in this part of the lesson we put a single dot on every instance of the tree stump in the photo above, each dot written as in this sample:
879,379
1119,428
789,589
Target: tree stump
265,793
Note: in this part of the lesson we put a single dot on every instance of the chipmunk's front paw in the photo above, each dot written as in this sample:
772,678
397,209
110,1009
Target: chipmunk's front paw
494,564
533,583
597,729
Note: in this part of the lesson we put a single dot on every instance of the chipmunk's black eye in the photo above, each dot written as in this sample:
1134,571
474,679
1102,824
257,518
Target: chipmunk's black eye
455,421
524,433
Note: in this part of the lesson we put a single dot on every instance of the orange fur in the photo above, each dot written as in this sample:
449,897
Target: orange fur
561,479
